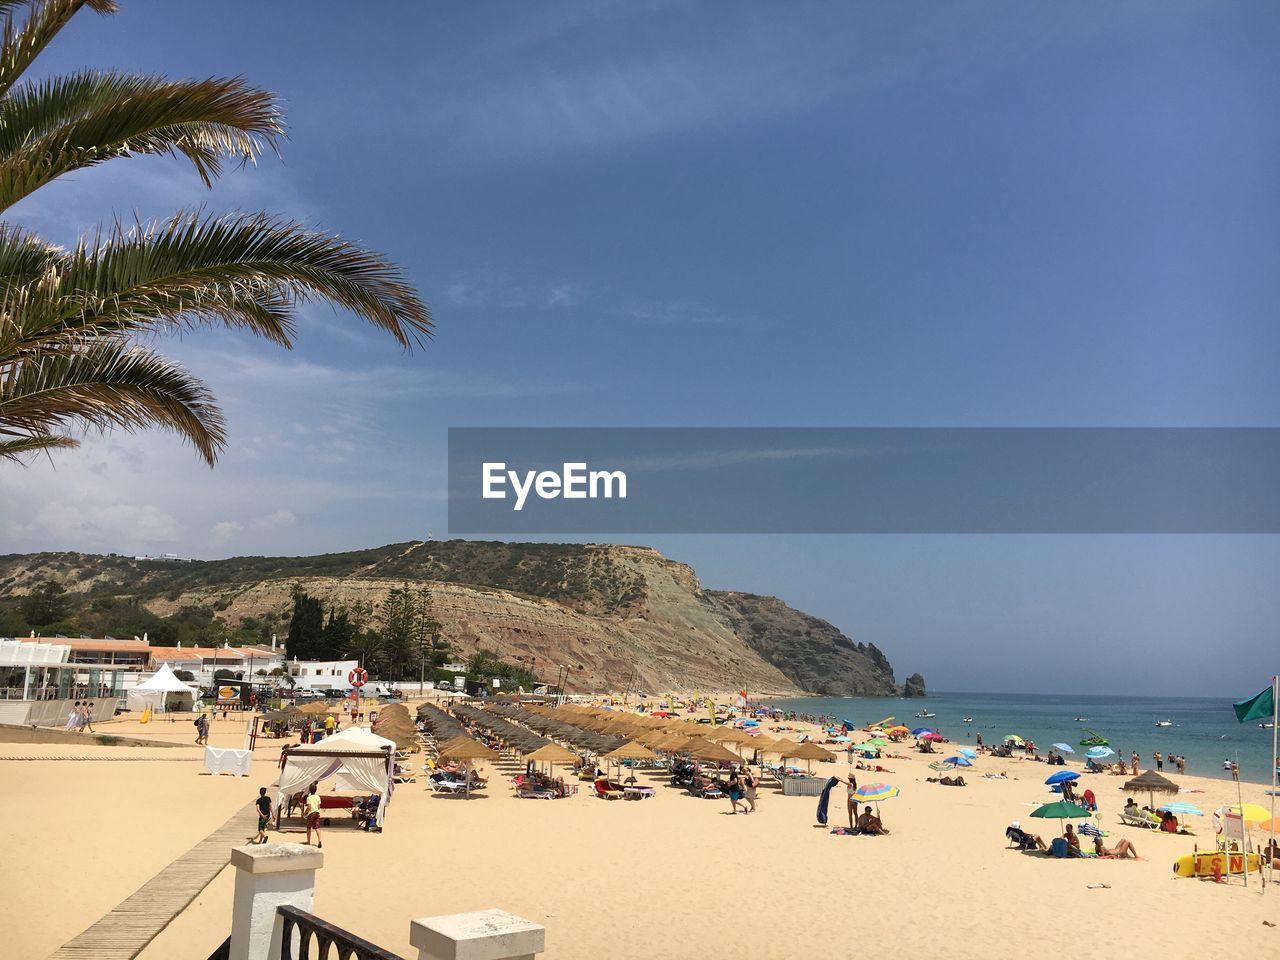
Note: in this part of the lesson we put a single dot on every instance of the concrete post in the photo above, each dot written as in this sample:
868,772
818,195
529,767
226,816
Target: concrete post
266,877
487,935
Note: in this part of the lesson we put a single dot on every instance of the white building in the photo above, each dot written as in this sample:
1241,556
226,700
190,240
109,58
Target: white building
322,674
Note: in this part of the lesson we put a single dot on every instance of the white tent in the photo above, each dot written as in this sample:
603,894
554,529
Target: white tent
155,691
360,758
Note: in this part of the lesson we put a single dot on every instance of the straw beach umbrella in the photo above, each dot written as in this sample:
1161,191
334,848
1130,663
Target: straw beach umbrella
551,754
702,749
810,752
464,748
631,751
1151,783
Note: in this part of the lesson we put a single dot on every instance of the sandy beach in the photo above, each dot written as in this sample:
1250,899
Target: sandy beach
654,878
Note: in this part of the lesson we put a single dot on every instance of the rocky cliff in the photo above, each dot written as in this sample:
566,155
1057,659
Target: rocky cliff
812,652
617,616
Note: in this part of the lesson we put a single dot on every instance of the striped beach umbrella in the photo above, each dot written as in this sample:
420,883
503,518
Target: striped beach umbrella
875,792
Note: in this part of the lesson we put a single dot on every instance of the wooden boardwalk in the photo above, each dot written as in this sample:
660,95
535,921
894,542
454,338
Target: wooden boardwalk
125,931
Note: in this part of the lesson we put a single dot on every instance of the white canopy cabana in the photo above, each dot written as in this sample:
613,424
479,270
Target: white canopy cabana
154,692
361,760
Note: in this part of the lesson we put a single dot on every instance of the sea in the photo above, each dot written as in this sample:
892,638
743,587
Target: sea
1204,730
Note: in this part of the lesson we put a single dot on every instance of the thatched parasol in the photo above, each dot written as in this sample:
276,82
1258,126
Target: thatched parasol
673,743
1151,783
316,708
631,751
730,735
552,753
464,748
782,747
701,749
809,752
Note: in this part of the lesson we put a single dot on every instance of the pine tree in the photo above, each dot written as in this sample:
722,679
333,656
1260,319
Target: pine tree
305,640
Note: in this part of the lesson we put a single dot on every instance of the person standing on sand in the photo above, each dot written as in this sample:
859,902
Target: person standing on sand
86,713
263,803
329,723
313,816
73,717
1159,760
1133,760
749,789
734,790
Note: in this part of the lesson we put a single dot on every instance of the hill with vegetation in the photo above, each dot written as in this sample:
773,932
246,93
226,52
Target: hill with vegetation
615,616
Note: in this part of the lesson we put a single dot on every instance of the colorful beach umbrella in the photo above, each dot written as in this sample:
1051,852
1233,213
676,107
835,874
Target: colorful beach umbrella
931,735
1182,809
1062,776
1097,753
1251,812
920,731
969,752
958,761
875,792
1013,738
1063,748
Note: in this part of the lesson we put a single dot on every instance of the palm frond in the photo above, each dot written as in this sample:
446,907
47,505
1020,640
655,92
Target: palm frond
192,265
71,122
21,44
13,448
108,384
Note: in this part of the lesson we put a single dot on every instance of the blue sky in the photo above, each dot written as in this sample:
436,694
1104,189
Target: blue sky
971,214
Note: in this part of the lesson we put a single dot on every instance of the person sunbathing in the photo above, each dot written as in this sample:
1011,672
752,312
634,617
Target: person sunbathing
869,823
1024,840
948,781
1121,851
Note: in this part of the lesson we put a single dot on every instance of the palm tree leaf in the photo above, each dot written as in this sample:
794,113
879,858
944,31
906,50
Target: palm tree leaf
21,44
152,275
109,384
70,122
14,448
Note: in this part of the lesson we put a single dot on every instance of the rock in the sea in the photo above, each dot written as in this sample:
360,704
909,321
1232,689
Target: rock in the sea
914,687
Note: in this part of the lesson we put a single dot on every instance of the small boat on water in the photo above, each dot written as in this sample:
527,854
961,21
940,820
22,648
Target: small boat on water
1164,723
1082,719
925,714
1094,740
1267,725
968,719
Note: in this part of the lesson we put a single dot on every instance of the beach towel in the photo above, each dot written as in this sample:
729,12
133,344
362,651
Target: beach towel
825,799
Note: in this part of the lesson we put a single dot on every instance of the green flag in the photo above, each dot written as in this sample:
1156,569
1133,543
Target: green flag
1257,707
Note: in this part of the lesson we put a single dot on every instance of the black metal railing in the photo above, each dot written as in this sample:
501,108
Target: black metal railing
316,939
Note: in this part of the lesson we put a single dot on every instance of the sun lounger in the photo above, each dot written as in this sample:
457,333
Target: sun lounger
605,793
448,786
1146,823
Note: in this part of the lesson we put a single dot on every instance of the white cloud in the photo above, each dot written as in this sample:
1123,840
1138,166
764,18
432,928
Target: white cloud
275,520
224,532
493,288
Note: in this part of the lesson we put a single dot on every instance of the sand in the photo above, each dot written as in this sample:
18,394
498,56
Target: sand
672,876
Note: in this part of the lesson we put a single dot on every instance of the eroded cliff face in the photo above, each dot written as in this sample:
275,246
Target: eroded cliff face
617,616
813,654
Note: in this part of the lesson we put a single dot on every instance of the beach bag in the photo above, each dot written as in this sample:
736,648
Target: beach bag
1058,848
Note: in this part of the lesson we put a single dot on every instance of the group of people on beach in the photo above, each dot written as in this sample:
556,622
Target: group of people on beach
80,717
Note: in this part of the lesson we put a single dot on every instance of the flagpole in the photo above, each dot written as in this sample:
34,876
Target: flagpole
1244,828
1275,722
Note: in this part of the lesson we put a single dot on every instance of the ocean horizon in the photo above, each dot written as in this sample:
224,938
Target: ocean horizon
1204,729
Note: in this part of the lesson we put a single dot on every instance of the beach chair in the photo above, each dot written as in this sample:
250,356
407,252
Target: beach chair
605,793
1146,823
